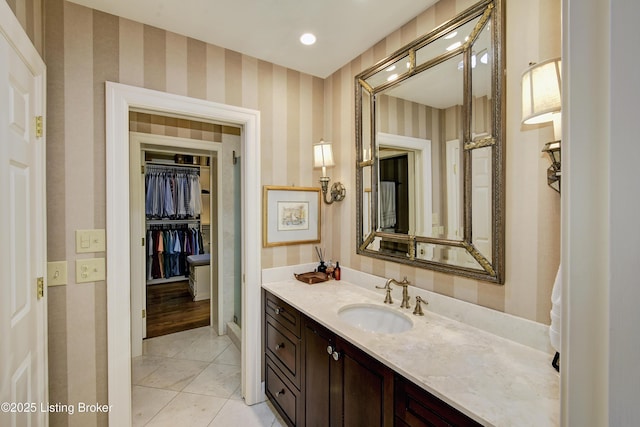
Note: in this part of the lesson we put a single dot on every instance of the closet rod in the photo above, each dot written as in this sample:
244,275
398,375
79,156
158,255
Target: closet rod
172,221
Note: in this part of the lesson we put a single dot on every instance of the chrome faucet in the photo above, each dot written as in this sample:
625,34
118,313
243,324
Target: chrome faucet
405,292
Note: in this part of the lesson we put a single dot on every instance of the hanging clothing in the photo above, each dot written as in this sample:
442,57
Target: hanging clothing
150,251
172,192
168,248
387,204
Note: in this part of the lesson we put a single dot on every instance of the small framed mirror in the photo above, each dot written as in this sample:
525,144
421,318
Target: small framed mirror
429,144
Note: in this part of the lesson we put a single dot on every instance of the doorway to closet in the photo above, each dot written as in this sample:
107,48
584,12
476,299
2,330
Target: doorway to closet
120,99
177,199
186,272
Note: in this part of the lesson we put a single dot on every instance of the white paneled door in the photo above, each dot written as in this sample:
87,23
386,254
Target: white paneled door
23,355
481,200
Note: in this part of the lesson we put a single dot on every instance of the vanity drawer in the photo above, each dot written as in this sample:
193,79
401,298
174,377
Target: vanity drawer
283,313
284,349
285,398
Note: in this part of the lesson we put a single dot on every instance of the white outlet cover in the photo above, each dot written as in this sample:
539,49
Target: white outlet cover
90,270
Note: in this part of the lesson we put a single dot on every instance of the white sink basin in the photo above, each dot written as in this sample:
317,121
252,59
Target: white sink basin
375,318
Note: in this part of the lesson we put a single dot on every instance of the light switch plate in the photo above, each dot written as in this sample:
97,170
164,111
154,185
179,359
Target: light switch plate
90,241
57,273
90,270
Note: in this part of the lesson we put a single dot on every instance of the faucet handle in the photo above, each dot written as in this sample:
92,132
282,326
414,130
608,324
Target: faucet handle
387,298
418,310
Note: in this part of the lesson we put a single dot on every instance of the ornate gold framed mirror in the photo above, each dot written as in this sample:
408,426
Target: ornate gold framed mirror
429,144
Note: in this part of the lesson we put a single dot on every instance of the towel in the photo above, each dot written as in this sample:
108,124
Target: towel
556,311
387,204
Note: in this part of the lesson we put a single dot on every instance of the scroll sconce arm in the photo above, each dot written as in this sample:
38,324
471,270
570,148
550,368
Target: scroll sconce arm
337,192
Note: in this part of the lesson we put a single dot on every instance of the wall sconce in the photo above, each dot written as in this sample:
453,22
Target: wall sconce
323,157
541,103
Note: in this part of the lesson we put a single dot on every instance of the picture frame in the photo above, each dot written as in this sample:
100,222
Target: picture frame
290,215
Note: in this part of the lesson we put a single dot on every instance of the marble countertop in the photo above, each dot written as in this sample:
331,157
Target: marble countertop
493,380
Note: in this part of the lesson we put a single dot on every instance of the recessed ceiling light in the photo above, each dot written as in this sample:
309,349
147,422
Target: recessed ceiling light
307,39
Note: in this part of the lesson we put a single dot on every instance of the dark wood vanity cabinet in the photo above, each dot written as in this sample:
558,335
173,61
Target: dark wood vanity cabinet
343,385
283,359
317,379
415,407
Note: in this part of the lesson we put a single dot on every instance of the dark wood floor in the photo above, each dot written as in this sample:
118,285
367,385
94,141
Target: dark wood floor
170,309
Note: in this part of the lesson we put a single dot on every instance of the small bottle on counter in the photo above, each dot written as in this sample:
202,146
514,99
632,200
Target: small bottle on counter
336,271
330,269
322,268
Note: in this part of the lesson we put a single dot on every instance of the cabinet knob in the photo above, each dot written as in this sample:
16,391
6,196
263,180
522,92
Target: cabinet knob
278,310
336,356
279,346
329,349
280,393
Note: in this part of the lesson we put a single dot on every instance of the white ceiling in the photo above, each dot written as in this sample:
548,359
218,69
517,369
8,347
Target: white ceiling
270,29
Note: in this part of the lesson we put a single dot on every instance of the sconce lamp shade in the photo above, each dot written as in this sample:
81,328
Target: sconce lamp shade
541,92
322,154
323,158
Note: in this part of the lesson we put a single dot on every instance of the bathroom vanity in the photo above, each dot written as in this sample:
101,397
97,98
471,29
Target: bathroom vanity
317,378
323,369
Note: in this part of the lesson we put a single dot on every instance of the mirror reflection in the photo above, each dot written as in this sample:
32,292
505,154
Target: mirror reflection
428,135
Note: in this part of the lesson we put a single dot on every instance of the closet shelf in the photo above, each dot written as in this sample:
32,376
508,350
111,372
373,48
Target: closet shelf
172,164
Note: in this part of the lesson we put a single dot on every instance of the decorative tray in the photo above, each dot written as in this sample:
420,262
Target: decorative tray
311,277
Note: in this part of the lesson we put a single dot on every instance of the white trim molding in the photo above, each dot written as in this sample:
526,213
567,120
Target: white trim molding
120,99
423,208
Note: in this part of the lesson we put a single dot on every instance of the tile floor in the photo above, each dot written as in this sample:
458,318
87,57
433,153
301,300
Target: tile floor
192,378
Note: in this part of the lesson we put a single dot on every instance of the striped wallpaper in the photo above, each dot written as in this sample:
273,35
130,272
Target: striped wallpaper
181,128
84,48
30,16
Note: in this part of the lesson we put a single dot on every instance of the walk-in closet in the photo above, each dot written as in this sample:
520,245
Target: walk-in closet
185,206
177,242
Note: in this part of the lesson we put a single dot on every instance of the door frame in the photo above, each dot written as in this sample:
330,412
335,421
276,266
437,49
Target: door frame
422,174
120,99
138,143
453,156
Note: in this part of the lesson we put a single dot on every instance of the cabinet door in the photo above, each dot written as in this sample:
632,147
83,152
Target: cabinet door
366,389
414,407
317,374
